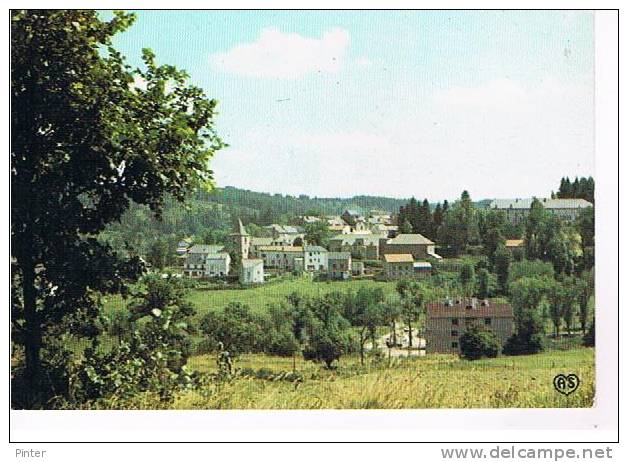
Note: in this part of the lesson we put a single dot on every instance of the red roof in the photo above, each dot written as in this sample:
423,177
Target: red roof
459,309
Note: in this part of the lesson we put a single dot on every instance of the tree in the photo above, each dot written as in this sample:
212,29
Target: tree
327,330
478,343
90,140
589,338
584,290
154,358
317,233
586,226
557,299
501,264
491,226
527,295
405,227
364,310
486,284
236,328
158,253
467,278
412,303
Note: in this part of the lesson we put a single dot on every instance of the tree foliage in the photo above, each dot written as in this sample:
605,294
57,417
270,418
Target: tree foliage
91,135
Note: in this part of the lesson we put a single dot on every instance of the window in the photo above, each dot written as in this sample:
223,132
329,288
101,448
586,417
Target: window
454,333
454,344
454,321
487,321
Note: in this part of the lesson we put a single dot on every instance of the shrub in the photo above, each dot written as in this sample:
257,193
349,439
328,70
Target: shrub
478,343
519,344
589,338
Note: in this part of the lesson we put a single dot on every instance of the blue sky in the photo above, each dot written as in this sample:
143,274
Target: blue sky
388,103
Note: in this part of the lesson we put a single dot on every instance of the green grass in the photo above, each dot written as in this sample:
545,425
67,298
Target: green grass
434,381
258,298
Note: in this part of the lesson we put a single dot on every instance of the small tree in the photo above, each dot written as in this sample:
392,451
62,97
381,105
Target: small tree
478,343
485,284
502,260
467,277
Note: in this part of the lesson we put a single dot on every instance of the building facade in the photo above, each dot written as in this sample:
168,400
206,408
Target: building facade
252,271
448,320
279,257
417,245
339,265
361,246
398,266
314,258
517,210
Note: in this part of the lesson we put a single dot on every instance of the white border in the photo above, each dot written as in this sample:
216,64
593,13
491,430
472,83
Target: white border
597,424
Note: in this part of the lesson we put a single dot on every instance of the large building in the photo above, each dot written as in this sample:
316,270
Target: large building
206,261
420,247
447,321
280,257
517,210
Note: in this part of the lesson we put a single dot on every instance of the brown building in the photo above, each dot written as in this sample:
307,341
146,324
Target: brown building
416,245
447,321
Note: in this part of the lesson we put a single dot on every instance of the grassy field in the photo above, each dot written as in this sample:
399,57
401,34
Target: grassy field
258,298
435,381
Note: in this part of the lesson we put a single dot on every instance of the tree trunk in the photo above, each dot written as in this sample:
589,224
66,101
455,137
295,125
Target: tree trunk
409,336
32,330
394,333
362,340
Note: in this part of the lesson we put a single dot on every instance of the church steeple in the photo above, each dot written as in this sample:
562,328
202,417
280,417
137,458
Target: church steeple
241,240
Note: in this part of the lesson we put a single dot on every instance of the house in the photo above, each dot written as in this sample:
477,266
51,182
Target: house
339,265
398,266
448,320
252,271
196,265
284,235
416,245
362,246
308,219
351,217
280,257
517,210
387,230
217,264
315,258
241,241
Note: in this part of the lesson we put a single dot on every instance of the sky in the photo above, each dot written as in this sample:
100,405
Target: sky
398,104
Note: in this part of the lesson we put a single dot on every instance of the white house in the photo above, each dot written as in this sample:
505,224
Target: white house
315,258
252,271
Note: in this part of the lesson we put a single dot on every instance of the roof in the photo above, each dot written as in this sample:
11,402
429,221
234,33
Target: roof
514,242
280,248
195,259
251,262
338,256
218,256
460,310
422,265
351,212
314,248
283,229
398,258
349,239
262,241
412,239
204,248
547,203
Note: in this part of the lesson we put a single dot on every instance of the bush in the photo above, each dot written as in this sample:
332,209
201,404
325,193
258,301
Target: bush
478,343
519,344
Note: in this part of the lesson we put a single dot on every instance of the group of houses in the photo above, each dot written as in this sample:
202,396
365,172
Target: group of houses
358,239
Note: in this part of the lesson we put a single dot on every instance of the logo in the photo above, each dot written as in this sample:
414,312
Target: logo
566,384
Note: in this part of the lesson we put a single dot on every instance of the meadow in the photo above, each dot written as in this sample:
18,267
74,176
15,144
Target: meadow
433,381
258,298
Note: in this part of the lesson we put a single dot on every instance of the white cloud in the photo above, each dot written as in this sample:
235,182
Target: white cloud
498,139
285,55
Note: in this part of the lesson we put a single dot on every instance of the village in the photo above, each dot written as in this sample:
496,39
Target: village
366,246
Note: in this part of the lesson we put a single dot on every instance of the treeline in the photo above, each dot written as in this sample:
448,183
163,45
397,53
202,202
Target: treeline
211,216
581,188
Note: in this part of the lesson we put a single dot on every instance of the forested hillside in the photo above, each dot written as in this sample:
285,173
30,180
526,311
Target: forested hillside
210,215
